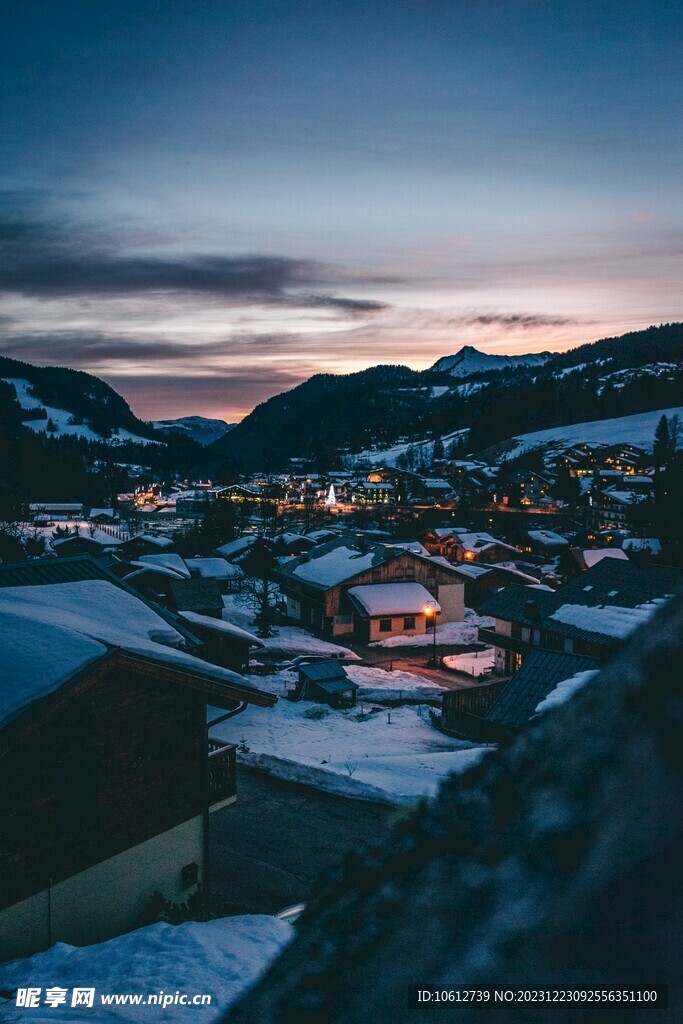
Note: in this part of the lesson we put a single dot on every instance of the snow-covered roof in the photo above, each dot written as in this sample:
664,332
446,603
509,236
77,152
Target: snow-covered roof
592,556
101,512
476,542
168,561
651,544
321,535
609,620
393,598
155,539
334,565
565,689
548,538
56,506
236,547
410,545
468,569
48,633
213,568
221,626
436,483
624,497
145,567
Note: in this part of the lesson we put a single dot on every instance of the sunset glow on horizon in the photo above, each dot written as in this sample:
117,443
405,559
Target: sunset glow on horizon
206,204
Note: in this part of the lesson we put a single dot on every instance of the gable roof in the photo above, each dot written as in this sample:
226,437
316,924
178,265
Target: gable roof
335,562
586,558
221,626
324,670
169,560
610,585
213,568
76,568
539,674
49,634
392,598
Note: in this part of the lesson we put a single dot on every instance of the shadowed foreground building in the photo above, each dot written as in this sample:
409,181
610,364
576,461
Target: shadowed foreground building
555,863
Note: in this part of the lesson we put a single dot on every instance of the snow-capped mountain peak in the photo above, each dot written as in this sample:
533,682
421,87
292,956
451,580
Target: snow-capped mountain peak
470,360
200,428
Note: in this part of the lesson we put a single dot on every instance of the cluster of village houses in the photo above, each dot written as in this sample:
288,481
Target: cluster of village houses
112,646
611,483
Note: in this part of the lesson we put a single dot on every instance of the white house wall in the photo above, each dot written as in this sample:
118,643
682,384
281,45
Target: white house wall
105,899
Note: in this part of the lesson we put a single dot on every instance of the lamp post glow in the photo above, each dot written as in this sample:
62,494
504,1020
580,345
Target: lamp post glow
430,611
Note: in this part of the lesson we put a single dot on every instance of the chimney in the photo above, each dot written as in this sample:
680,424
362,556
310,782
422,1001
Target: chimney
531,610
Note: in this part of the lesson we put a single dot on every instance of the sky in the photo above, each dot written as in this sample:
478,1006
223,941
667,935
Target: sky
204,202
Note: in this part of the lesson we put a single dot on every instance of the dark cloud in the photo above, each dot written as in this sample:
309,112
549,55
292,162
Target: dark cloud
86,350
51,260
511,321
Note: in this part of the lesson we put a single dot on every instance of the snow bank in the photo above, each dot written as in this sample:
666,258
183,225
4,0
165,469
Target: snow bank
217,958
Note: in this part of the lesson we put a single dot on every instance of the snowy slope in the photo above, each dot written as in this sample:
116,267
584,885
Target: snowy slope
388,456
470,360
62,417
638,429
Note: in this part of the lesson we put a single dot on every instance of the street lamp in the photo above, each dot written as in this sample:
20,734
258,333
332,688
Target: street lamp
431,611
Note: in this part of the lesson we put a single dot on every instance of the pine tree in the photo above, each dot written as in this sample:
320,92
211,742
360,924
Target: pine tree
662,448
437,451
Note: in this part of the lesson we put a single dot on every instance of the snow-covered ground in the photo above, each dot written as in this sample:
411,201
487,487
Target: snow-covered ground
466,632
638,429
476,663
80,526
394,755
61,418
377,684
288,640
388,456
220,959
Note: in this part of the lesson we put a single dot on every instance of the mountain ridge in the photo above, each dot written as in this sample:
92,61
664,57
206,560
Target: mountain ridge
202,429
468,361
328,417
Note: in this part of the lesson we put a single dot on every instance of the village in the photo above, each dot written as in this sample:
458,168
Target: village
223,656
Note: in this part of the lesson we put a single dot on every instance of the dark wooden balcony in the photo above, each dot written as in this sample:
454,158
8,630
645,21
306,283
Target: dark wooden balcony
222,775
507,643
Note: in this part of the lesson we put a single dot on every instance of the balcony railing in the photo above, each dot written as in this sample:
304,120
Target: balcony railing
507,643
222,781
